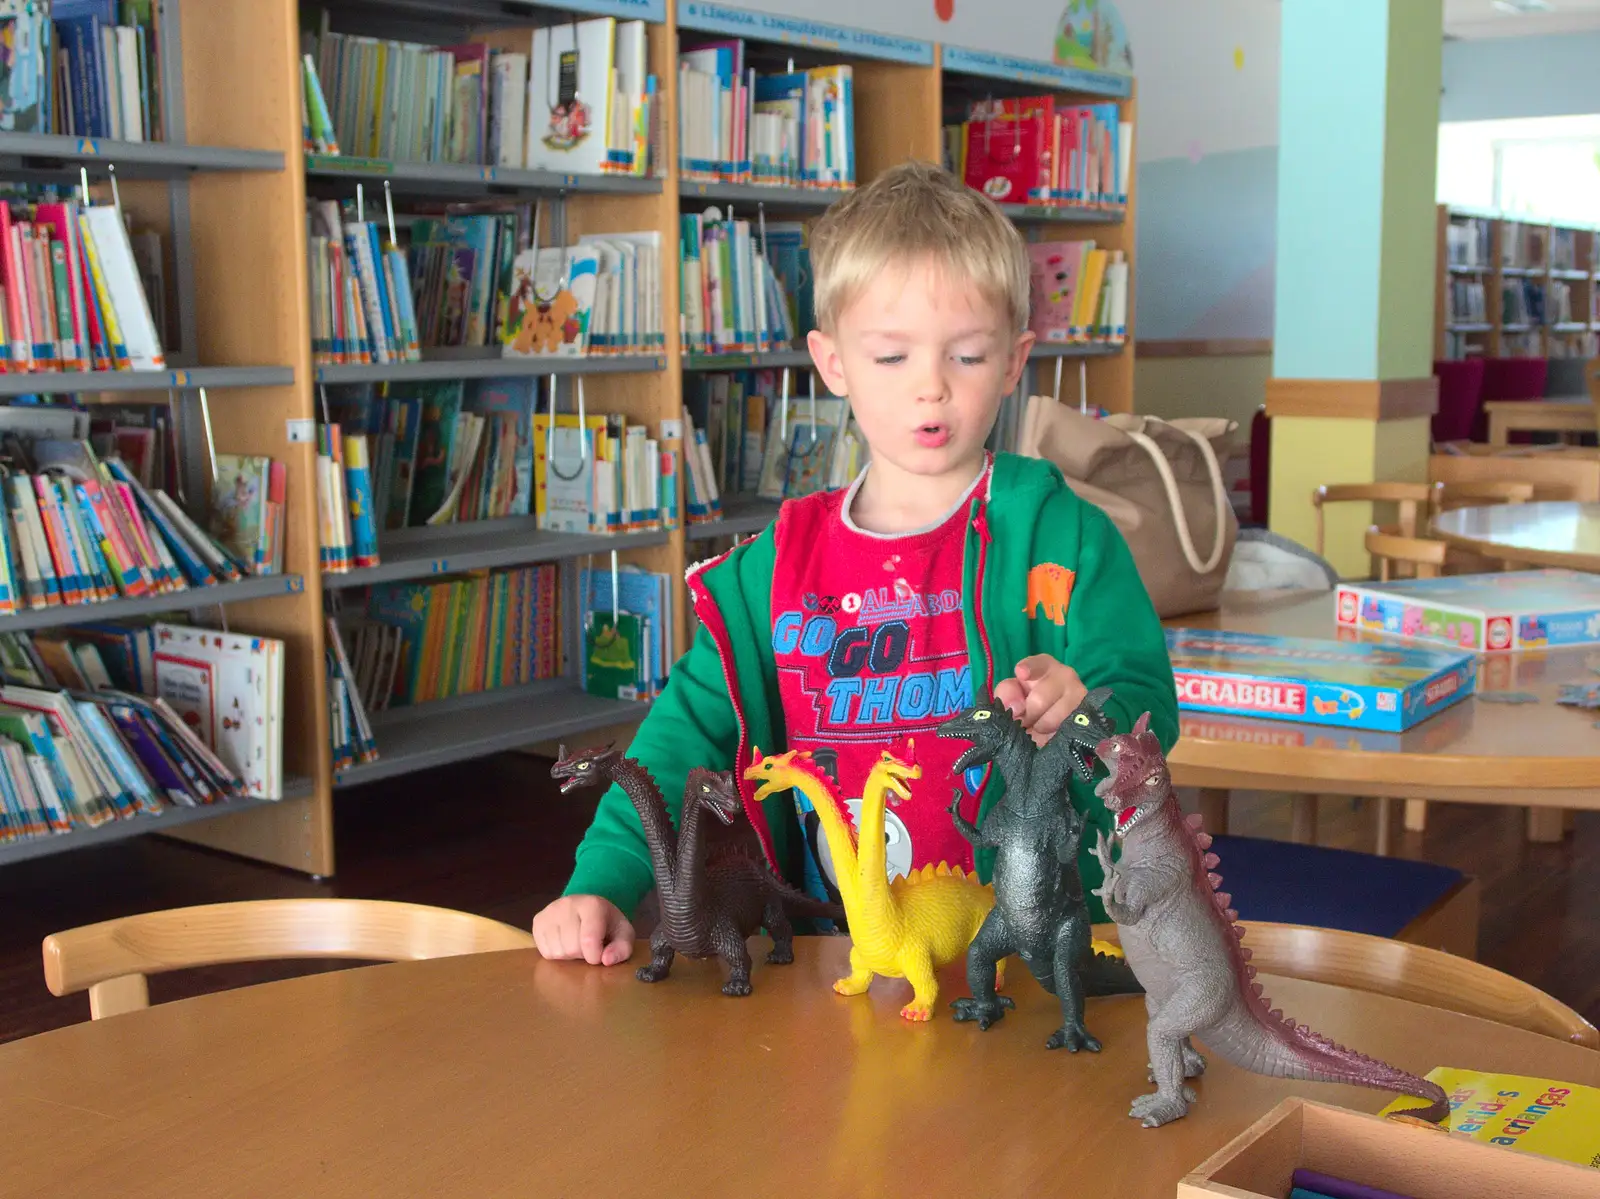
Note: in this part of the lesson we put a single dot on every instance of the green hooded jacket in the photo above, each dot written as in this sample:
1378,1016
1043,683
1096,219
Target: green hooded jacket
721,701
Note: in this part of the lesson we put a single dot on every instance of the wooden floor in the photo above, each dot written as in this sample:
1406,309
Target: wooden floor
494,837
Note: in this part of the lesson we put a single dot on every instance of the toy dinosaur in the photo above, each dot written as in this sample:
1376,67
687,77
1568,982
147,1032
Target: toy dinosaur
714,892
1182,940
907,927
1040,912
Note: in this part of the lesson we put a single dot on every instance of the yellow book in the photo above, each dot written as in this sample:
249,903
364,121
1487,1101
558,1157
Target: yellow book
1540,1115
1087,302
115,345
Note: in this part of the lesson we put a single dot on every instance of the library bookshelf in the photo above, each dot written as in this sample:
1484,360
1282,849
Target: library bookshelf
1499,283
231,190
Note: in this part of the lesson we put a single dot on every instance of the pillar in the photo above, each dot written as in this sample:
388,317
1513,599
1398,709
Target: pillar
1352,387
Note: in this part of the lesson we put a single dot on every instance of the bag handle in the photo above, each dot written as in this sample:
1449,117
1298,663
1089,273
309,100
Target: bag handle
1179,517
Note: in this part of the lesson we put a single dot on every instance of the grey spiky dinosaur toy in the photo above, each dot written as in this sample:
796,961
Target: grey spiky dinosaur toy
1182,940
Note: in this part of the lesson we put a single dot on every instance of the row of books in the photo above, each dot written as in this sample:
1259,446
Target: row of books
734,298
788,129
411,643
628,616
1466,300
574,97
1467,242
106,722
73,296
1559,306
603,474
1033,150
347,536
1079,293
1574,344
1523,247
80,530
1522,300
362,306
349,727
600,296
87,68
744,438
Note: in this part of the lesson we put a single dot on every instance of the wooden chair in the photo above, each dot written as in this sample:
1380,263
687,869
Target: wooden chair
1411,500
1405,971
112,958
1422,557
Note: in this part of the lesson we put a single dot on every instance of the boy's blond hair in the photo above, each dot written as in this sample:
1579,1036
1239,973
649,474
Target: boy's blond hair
918,212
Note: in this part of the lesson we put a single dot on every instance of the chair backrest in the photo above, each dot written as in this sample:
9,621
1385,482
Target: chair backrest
1487,491
113,958
1402,970
1423,558
1408,499
1460,398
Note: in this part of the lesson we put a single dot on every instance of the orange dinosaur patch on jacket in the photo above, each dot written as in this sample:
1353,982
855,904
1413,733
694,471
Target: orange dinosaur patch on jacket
1050,588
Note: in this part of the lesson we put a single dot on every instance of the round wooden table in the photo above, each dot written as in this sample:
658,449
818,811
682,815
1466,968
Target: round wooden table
1534,754
503,1074
1547,534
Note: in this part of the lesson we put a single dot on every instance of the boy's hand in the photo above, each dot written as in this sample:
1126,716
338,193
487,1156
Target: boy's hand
584,926
1042,694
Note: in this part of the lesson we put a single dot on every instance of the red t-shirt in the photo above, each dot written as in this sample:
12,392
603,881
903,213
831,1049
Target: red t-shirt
871,648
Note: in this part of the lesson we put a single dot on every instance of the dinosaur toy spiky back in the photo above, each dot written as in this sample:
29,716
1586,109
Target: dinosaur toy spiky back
1180,933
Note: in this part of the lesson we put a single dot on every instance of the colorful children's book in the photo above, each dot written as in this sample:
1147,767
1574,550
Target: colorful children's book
1360,685
1525,609
1537,1115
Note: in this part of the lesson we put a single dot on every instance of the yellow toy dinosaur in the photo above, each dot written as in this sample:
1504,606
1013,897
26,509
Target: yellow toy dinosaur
907,928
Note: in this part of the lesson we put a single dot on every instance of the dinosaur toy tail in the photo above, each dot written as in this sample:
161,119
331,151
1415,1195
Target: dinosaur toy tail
1103,974
1256,1038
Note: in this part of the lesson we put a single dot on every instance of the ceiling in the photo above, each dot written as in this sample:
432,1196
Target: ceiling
1484,19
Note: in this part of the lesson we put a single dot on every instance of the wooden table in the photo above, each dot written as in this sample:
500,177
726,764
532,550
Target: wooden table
1539,755
1555,414
1549,534
503,1074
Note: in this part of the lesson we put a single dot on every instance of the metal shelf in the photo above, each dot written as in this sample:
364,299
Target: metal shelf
485,362
451,178
1525,271
137,826
1569,274
474,726
1027,214
741,517
200,376
254,587
1457,268
814,198
58,154
739,362
1076,349
480,545
1469,327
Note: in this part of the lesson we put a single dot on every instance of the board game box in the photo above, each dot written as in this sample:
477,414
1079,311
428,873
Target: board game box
1524,609
1356,685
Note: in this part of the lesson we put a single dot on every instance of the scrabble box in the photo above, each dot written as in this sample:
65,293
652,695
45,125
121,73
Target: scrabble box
1525,609
1353,685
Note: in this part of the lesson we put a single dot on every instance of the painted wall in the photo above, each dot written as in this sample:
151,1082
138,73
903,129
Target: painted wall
1206,142
1494,79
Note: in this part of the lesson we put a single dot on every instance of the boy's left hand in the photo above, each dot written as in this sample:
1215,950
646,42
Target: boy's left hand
1042,694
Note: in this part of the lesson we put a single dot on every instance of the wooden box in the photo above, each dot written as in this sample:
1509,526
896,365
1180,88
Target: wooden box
1373,1151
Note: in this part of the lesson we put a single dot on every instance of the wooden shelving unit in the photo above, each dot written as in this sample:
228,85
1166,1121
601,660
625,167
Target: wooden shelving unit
237,166
1506,256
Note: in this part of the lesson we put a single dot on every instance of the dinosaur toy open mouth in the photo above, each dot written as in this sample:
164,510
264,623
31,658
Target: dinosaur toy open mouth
1128,817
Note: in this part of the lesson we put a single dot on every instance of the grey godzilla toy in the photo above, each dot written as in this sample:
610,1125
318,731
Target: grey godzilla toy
1039,911
1182,940
714,891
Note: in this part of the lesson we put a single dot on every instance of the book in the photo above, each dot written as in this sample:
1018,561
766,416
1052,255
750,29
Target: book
1514,610
1351,684
1534,1115
224,686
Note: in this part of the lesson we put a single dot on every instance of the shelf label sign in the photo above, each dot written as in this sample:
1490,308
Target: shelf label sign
739,22
1029,70
626,10
86,146
300,429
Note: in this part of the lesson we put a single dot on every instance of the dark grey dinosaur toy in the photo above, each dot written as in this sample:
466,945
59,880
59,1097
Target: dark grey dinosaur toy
1039,913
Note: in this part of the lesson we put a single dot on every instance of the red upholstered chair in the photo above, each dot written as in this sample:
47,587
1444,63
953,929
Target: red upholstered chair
1509,379
1460,399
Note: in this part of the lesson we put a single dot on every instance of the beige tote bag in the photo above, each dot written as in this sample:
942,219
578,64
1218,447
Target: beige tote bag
1159,481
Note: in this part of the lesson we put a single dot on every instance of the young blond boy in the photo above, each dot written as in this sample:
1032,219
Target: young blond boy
864,616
